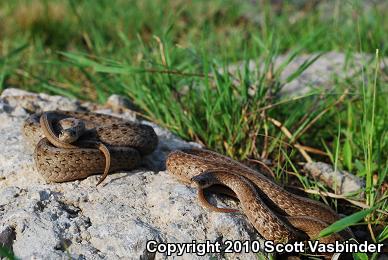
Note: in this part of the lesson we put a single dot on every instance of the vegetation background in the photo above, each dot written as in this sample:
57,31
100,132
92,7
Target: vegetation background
171,58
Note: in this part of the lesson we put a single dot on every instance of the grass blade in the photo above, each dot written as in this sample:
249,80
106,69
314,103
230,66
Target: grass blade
346,222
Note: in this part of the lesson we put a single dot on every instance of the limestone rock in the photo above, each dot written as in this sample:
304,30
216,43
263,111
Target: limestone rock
117,103
7,236
342,182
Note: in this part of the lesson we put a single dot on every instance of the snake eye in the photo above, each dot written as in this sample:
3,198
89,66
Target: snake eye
67,135
62,134
199,181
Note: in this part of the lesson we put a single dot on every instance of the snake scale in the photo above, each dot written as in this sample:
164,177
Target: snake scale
108,144
274,212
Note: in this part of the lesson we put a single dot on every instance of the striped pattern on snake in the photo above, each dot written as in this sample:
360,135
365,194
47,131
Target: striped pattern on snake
274,212
56,161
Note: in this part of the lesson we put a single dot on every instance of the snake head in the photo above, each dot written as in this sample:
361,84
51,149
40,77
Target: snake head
68,135
201,181
71,129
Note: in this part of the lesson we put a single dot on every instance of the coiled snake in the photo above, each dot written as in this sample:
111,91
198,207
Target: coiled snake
274,212
94,143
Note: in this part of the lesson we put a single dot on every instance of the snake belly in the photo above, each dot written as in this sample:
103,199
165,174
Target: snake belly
127,143
274,212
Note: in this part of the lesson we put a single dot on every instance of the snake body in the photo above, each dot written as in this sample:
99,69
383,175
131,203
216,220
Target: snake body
275,213
125,141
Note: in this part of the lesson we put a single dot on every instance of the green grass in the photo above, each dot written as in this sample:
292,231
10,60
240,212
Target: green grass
171,59
7,254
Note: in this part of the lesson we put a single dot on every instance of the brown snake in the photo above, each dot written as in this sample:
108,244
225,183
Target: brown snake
274,212
107,144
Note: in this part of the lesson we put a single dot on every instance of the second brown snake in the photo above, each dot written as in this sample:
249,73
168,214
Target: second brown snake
275,213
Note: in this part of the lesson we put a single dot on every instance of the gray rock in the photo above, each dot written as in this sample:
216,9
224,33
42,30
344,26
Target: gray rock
22,100
78,220
117,103
7,236
342,182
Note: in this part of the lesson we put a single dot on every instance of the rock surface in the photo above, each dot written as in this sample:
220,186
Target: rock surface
80,221
342,182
